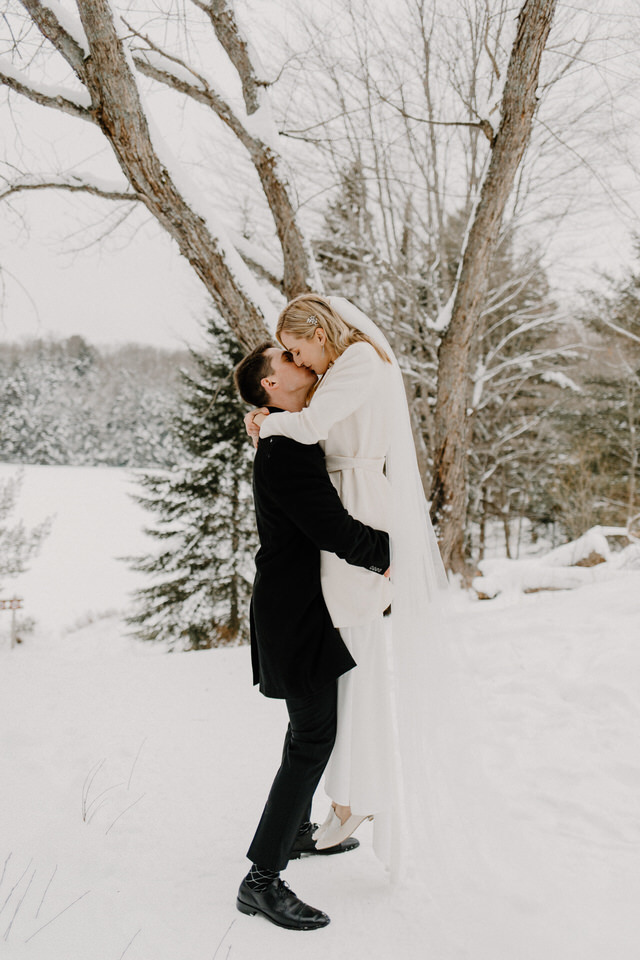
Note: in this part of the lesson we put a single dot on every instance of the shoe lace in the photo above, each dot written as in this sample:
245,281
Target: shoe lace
284,890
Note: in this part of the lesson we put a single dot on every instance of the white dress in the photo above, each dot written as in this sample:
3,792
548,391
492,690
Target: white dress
350,416
404,750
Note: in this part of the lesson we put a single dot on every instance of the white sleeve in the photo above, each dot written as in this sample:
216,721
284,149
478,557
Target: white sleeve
347,388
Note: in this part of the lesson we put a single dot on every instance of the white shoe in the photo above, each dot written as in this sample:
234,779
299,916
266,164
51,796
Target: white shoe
332,831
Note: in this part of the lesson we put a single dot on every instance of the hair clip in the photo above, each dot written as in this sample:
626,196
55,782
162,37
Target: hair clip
312,320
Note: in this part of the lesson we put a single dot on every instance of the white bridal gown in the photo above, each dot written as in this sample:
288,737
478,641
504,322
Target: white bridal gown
351,416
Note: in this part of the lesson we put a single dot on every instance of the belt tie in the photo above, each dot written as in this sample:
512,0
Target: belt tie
337,464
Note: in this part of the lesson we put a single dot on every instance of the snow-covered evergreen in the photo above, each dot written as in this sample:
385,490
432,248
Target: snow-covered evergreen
204,508
17,544
65,402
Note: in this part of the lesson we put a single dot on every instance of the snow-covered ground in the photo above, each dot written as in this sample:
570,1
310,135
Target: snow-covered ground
131,780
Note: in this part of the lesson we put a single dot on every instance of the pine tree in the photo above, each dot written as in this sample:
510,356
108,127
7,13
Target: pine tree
17,544
204,508
65,402
345,251
599,481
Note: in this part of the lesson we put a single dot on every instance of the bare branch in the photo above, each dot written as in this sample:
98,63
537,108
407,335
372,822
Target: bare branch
51,28
297,256
201,94
11,78
222,16
616,197
259,270
71,187
483,125
618,329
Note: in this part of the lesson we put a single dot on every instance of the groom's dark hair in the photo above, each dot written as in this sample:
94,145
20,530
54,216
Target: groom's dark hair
250,371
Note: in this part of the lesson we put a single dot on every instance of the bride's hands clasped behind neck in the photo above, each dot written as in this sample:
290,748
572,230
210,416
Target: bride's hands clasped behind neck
252,422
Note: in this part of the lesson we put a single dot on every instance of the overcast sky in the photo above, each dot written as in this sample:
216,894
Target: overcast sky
140,289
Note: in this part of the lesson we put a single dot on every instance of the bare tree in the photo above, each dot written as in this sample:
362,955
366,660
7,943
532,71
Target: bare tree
97,49
449,489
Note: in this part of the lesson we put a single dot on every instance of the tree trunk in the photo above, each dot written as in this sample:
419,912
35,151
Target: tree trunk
506,526
633,448
449,487
119,113
482,541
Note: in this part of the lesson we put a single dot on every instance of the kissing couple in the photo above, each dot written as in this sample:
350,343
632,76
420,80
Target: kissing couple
339,501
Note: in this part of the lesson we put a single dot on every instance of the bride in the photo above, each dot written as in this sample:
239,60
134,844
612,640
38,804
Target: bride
391,742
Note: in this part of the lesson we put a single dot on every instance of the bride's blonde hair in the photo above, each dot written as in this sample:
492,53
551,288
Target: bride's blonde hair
294,319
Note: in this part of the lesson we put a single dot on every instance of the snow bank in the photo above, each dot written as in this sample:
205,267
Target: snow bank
589,559
78,575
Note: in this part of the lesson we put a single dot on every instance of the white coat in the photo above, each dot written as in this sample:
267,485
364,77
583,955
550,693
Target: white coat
349,415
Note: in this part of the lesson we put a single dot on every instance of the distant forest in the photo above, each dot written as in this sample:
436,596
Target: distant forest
68,402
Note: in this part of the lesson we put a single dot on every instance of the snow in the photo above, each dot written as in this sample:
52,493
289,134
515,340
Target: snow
261,126
77,575
557,570
70,23
561,379
443,319
267,259
170,758
80,97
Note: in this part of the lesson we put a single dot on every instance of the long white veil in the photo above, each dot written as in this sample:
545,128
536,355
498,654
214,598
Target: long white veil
435,837
457,850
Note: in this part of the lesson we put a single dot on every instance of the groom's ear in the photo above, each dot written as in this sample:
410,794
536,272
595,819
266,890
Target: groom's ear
269,384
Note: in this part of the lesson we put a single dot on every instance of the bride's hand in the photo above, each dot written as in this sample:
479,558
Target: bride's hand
252,422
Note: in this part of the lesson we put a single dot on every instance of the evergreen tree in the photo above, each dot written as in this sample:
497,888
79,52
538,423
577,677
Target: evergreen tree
205,521
599,482
17,544
345,250
65,402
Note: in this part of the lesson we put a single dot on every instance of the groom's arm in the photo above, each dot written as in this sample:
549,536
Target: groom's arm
298,480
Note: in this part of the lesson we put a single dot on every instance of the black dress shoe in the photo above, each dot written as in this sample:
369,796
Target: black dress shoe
305,845
279,904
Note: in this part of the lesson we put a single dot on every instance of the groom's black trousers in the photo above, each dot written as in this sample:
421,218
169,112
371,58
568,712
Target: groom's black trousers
307,748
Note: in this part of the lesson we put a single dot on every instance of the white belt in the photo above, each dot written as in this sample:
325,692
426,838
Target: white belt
336,464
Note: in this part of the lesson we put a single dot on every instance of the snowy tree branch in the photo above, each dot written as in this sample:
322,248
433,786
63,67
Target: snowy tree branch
201,94
71,187
254,258
11,78
482,125
224,22
618,329
261,145
50,27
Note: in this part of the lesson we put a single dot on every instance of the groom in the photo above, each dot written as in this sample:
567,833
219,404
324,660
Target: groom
297,654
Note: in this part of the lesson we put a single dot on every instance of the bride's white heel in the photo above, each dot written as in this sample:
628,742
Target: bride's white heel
333,831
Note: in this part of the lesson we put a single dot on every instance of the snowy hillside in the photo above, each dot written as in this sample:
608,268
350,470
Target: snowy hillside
132,780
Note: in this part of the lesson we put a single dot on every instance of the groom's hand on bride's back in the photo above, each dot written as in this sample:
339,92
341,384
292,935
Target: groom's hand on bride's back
252,422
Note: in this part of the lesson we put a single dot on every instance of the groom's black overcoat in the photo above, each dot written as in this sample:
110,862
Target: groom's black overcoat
295,649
